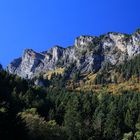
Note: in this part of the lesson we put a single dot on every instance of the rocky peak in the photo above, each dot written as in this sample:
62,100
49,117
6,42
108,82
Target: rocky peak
133,46
29,53
88,54
56,52
85,41
115,40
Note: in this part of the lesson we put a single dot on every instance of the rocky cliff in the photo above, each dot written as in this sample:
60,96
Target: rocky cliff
88,54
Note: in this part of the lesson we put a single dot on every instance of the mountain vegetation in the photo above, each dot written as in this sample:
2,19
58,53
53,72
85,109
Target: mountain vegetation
88,91
53,112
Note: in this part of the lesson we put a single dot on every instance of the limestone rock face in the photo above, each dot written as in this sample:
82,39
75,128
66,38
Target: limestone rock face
27,65
133,46
85,41
88,54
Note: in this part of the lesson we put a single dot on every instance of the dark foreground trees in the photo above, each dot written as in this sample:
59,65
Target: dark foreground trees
34,113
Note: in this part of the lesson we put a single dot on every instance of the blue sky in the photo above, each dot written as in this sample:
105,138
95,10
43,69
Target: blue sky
41,24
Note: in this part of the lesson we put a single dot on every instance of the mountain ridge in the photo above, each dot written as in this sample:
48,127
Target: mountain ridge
88,54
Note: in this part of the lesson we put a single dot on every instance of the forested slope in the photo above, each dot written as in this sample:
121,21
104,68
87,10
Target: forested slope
52,112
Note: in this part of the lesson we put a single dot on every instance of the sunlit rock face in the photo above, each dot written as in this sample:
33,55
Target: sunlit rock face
83,42
133,46
26,66
88,54
114,48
